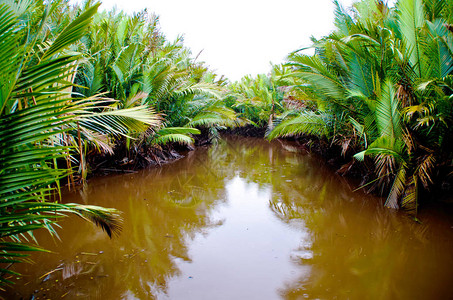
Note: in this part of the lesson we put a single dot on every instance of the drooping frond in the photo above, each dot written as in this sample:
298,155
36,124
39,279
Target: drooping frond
397,190
409,201
424,169
36,112
107,218
305,123
214,115
179,135
117,121
203,88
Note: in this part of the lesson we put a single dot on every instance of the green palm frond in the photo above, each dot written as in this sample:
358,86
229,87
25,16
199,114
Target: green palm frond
116,121
176,138
314,71
214,115
202,88
108,219
383,145
72,33
343,21
388,116
90,78
361,78
439,50
179,135
36,112
305,123
126,62
29,173
411,19
11,56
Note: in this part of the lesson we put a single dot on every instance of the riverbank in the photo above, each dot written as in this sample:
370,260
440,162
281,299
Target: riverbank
342,162
246,213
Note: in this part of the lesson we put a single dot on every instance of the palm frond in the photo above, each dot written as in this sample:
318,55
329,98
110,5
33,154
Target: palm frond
72,33
409,201
214,115
388,116
305,123
11,56
126,62
411,19
179,135
36,112
108,219
397,190
424,169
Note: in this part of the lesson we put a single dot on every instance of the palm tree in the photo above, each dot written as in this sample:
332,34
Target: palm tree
37,118
130,60
379,83
260,99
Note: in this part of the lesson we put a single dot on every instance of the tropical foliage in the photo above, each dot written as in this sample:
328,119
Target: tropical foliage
259,100
74,81
127,58
380,86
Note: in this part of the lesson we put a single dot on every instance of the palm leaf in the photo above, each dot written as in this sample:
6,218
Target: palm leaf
35,112
410,197
304,123
411,19
179,135
398,187
388,116
72,33
214,115
11,56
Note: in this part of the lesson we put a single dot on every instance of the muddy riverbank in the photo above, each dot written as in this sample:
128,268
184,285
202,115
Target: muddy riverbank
242,219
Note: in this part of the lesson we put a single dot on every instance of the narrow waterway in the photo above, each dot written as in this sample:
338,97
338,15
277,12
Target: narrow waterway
244,219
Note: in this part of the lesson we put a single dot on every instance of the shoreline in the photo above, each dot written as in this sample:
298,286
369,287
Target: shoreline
344,165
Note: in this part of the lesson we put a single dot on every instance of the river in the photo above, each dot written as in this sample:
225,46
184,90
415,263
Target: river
243,219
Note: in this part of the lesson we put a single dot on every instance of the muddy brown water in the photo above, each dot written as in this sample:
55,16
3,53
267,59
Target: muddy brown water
244,219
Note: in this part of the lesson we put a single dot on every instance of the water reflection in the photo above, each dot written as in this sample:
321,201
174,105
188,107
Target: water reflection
244,219
247,257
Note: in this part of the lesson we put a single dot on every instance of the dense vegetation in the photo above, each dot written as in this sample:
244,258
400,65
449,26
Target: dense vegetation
77,84
380,87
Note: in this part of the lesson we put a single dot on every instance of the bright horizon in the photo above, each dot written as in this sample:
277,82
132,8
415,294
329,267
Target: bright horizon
237,38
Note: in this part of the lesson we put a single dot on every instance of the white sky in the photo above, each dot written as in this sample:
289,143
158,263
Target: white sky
239,37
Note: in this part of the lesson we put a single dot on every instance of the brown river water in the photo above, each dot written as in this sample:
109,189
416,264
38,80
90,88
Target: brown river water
243,219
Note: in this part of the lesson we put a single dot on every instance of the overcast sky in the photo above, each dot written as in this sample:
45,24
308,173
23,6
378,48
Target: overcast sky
239,37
